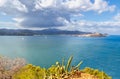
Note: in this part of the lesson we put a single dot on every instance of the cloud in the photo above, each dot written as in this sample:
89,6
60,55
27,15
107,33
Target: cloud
50,13
117,17
7,24
12,7
101,6
110,27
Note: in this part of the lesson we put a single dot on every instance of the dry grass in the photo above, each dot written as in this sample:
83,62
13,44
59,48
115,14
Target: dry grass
85,76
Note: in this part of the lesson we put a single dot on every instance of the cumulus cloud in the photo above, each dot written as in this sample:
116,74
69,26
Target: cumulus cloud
50,13
111,27
12,7
117,17
101,6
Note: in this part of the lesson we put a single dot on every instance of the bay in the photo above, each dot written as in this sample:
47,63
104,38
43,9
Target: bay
101,53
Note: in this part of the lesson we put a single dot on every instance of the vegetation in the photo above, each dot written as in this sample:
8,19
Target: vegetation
31,72
58,71
8,66
96,72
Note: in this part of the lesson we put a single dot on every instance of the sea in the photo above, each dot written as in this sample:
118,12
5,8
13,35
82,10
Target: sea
101,53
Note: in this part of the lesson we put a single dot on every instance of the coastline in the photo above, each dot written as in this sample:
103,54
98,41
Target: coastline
92,35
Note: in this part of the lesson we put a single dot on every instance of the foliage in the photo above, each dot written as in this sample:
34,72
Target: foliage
10,66
96,72
31,72
16,69
69,63
56,71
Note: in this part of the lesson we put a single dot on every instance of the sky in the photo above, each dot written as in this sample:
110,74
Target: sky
83,15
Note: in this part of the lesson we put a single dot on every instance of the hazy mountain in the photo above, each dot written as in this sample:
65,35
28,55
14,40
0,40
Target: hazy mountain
39,32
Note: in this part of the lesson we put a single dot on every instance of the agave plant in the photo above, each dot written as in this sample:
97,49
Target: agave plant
68,66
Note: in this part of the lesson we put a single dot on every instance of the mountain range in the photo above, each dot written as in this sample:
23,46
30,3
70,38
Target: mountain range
25,32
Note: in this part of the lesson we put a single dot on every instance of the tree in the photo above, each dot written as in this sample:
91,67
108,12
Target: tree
10,66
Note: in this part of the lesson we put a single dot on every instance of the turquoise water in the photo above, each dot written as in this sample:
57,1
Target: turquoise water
102,53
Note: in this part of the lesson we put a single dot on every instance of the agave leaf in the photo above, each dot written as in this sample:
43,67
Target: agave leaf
78,66
63,60
69,63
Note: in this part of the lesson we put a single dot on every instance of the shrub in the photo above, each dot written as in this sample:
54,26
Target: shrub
30,72
10,66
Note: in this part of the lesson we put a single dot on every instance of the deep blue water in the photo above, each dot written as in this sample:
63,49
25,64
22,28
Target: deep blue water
102,53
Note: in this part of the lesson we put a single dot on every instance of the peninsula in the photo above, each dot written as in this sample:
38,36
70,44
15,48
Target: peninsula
96,34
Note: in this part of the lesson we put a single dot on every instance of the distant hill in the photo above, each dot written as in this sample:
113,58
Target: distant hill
24,32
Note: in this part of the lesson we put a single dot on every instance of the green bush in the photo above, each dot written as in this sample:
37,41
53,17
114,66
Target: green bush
30,72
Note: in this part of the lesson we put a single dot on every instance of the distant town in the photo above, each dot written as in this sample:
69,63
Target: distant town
24,32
